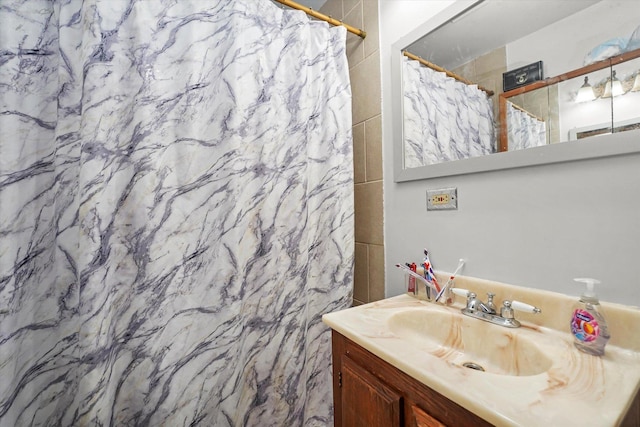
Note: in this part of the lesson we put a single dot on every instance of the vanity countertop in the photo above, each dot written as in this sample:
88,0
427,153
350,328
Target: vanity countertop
578,389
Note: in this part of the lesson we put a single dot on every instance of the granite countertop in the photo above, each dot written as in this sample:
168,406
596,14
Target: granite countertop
573,388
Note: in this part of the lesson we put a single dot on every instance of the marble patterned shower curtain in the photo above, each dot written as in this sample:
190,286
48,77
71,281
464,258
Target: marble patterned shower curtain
176,212
524,130
443,119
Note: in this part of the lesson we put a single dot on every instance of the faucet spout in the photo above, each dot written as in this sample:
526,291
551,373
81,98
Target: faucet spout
489,306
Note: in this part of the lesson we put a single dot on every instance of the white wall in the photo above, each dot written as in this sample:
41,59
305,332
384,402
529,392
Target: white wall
537,226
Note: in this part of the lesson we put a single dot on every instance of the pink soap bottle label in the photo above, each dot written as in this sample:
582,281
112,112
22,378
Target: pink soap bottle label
584,326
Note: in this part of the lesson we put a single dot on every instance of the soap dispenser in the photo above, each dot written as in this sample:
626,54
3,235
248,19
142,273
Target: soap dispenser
588,325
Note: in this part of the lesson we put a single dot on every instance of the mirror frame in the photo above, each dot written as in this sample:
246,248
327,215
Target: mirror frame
588,148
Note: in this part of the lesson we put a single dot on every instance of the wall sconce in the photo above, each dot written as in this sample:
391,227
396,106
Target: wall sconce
613,87
585,93
636,84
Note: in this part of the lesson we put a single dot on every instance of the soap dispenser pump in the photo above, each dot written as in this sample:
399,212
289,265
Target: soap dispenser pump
588,325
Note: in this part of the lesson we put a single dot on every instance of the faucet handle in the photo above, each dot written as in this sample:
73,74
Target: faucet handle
461,292
472,300
527,308
508,306
506,311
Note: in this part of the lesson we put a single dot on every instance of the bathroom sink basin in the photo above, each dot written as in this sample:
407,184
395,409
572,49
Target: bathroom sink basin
534,375
470,343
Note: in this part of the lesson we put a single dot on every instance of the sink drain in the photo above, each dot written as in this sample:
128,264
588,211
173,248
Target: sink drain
474,366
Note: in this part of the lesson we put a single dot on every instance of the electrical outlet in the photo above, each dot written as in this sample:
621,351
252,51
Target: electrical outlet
442,199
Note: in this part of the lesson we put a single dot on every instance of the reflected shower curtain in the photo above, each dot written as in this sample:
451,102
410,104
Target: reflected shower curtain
443,119
176,198
524,130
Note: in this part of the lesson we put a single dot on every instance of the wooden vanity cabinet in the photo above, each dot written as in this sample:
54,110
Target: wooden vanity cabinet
369,392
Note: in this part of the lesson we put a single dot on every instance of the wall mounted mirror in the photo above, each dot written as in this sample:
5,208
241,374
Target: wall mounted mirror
444,126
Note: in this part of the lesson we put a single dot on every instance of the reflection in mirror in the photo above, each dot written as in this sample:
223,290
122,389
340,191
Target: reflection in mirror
626,106
588,115
508,35
528,120
569,108
445,119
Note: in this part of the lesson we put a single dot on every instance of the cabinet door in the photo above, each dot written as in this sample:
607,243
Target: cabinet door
422,419
366,401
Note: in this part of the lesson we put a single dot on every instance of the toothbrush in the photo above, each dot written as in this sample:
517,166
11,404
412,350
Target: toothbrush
450,281
428,271
416,275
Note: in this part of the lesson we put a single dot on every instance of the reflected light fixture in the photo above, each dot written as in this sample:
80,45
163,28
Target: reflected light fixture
613,87
585,93
636,83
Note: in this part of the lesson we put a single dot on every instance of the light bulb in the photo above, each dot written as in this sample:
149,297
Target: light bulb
585,93
636,83
613,87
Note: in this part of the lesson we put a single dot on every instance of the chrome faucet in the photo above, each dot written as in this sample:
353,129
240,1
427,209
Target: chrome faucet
475,304
487,311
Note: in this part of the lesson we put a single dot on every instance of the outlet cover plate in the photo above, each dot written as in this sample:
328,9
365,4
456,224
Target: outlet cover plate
443,199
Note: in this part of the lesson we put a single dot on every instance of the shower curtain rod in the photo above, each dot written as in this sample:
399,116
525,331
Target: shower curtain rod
442,70
323,17
517,107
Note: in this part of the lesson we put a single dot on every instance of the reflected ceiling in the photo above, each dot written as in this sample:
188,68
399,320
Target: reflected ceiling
491,25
